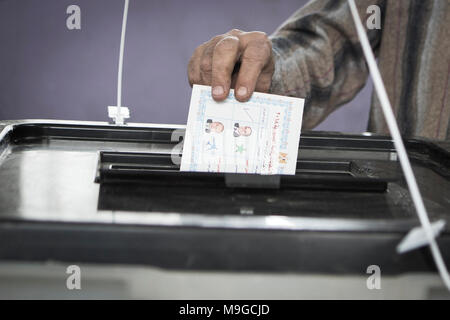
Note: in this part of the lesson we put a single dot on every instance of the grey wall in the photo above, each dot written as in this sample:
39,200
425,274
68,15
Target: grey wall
48,71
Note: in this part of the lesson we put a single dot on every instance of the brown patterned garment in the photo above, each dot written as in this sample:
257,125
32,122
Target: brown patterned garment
318,56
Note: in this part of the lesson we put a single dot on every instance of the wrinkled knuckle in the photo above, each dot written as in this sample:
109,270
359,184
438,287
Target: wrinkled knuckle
228,43
263,48
216,38
261,51
260,36
263,43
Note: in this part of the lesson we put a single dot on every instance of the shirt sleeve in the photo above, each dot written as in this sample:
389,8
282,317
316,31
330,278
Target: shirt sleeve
318,56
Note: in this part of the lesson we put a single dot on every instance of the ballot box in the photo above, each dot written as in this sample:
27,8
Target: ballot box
92,192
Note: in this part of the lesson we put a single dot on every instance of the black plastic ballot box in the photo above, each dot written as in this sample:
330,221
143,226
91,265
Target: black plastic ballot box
92,192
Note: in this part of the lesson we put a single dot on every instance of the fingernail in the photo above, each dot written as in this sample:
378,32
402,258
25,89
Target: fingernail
217,91
242,91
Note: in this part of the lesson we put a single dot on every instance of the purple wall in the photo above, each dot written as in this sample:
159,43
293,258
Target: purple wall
48,71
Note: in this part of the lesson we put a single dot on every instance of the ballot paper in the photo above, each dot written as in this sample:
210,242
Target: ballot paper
260,136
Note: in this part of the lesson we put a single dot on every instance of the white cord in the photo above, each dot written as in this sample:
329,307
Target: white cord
399,146
122,45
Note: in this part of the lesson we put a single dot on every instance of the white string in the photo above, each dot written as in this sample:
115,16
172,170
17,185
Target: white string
399,146
122,45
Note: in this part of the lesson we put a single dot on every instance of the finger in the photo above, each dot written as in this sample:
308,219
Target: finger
194,76
254,59
263,83
206,60
206,66
223,61
265,78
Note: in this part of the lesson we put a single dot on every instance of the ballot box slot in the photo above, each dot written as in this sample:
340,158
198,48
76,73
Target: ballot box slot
158,162
158,170
175,168
152,161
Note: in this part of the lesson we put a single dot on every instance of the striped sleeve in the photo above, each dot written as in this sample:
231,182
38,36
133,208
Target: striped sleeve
318,56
